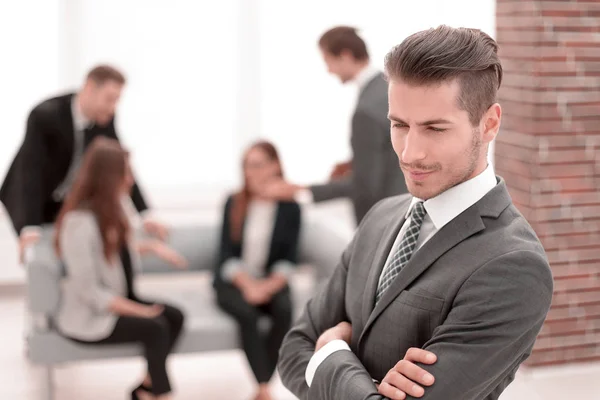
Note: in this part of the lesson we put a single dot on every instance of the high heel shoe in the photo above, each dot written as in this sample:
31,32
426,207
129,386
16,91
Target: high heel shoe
134,395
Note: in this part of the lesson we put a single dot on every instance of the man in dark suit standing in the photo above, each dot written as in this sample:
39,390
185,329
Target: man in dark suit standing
373,172
452,268
58,131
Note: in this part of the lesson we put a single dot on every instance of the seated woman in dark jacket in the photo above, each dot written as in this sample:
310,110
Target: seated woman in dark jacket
258,251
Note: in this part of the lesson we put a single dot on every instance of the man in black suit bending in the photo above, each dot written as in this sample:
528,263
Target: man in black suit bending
58,131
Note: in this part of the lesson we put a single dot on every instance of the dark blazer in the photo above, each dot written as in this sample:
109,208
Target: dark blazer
284,241
376,172
42,163
476,294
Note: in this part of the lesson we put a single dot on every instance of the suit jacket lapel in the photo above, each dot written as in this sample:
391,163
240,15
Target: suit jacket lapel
381,254
457,230
278,229
66,128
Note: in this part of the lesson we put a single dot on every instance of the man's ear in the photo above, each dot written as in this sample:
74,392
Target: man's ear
491,123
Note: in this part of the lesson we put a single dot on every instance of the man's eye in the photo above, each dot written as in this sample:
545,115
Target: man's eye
433,128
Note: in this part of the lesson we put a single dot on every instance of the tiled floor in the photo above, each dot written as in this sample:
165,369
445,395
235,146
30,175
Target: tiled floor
218,375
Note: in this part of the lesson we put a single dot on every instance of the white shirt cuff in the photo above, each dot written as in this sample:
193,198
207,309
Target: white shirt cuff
304,196
230,268
283,267
31,229
320,356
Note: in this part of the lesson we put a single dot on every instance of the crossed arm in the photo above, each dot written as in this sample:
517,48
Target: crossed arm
489,331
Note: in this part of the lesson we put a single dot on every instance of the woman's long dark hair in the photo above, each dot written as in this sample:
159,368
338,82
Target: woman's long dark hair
97,188
241,200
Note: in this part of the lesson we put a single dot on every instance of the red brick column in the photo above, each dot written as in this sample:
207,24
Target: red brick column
548,151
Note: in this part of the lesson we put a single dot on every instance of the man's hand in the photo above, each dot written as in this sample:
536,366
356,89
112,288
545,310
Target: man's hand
342,331
406,378
341,170
280,190
26,239
156,229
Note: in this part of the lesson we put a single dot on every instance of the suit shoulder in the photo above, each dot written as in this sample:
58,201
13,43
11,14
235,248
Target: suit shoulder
52,104
513,242
50,107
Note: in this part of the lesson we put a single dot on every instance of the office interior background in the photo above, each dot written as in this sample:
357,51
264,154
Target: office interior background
207,78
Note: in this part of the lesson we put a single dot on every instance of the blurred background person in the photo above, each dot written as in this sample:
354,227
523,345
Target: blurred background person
58,132
94,240
373,173
258,249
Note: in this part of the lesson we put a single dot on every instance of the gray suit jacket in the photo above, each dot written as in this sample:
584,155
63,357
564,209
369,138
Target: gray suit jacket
375,169
476,294
91,283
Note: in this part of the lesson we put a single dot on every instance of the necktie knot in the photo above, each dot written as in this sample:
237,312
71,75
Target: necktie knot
418,213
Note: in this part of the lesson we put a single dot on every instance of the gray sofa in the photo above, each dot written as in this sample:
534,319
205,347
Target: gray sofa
206,328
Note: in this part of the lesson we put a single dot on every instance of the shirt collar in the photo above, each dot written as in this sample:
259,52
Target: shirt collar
365,76
80,122
450,204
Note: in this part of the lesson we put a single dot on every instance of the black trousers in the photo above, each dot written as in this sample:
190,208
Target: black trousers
157,335
262,349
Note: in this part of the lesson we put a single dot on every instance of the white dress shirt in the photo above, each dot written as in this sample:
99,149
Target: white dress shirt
305,196
256,246
440,211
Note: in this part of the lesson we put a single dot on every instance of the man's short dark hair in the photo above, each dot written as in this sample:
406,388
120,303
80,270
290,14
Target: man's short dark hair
443,54
344,38
104,73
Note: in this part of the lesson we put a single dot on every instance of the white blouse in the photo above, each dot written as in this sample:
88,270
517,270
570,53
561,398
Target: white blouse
256,245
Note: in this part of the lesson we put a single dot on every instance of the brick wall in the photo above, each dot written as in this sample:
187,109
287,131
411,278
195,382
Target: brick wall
548,151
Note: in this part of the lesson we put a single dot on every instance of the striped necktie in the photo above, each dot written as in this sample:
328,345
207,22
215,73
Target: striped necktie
404,252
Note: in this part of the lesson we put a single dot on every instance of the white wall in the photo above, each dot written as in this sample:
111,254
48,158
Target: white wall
178,112
205,79
305,110
29,70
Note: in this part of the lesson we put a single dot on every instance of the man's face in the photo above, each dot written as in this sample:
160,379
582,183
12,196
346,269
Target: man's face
436,144
340,66
102,100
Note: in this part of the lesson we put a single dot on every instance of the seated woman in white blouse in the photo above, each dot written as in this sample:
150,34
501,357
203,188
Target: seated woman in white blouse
258,251
94,239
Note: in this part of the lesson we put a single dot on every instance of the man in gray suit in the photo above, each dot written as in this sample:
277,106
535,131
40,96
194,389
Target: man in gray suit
373,172
453,268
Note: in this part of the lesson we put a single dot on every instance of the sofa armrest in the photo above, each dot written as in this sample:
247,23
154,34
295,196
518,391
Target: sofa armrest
44,272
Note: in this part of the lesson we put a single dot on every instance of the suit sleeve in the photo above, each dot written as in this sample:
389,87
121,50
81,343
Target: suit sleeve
332,190
339,376
493,324
32,161
136,194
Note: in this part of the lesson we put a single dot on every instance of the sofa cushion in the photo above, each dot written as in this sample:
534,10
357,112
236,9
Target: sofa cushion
206,327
